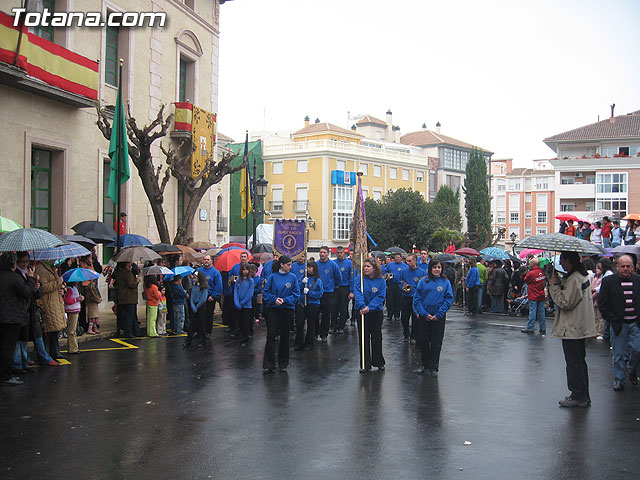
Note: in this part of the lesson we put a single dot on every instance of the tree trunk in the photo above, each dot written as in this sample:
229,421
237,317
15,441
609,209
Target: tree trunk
187,220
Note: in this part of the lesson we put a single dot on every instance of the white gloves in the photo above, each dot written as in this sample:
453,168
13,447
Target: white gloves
305,280
306,290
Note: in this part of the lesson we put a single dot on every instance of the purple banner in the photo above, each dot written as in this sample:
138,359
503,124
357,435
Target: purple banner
289,238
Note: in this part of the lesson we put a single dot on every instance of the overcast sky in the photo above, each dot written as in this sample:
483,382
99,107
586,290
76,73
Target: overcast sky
500,74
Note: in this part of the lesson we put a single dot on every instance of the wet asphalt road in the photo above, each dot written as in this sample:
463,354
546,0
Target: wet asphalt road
158,411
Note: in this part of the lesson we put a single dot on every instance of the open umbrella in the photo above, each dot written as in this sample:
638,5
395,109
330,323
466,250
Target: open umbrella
532,251
212,253
165,249
445,257
496,253
467,251
79,275
156,270
189,254
201,245
632,216
560,242
233,248
25,239
262,257
136,254
95,230
71,250
8,225
131,240
377,253
622,249
232,244
84,241
262,248
183,270
567,216
395,250
228,259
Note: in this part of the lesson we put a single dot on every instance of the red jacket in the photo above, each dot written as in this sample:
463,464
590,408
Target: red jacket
535,280
570,230
606,230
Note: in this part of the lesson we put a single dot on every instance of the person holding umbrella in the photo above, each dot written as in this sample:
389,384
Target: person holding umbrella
51,305
214,280
127,290
574,322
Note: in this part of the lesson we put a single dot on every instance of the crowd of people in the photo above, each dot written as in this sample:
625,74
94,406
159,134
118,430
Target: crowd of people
308,300
602,232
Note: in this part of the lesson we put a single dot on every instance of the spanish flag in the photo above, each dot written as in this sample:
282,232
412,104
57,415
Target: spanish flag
245,180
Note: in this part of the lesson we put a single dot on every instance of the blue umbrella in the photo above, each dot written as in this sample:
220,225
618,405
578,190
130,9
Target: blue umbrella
79,275
183,271
25,239
131,240
232,248
71,250
495,252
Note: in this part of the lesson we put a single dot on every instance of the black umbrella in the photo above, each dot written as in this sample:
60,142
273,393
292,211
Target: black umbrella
95,230
377,253
82,240
262,248
396,250
165,249
445,257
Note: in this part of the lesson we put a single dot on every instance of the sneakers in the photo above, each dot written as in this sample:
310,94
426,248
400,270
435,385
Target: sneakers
526,330
543,332
569,402
12,382
324,339
406,339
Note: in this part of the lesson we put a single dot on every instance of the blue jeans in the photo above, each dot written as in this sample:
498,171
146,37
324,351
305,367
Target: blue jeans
20,356
496,303
43,355
536,310
178,319
629,335
606,242
481,291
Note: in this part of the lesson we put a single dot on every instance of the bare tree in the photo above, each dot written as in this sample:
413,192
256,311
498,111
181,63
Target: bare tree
178,165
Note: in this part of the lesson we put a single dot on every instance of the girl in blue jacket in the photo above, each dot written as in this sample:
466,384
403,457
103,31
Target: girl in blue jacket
311,292
280,293
431,303
243,300
197,301
369,302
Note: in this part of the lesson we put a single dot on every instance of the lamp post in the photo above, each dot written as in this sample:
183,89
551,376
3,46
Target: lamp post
260,191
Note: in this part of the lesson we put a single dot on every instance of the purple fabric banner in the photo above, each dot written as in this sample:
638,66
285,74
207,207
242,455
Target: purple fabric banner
289,238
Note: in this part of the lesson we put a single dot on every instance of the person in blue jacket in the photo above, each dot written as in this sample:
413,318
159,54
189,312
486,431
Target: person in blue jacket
369,302
408,282
281,292
330,276
311,292
198,303
243,298
214,279
394,292
431,302
229,313
341,303
179,296
472,285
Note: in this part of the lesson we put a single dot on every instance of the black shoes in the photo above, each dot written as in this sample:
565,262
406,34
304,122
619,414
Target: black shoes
324,339
633,378
419,371
187,344
283,369
266,371
381,369
618,387
526,330
543,332
569,402
433,374
339,331
243,344
298,348
364,370
412,342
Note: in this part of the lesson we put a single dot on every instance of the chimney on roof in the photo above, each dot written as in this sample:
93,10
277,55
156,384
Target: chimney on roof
353,127
438,127
388,133
317,120
612,119
424,127
306,121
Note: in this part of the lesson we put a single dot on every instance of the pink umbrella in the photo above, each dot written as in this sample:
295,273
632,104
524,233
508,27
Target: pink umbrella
527,251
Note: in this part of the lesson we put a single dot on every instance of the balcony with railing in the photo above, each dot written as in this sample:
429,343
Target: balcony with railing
300,206
222,224
276,207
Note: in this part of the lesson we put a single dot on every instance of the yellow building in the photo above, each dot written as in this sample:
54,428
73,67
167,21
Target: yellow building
55,160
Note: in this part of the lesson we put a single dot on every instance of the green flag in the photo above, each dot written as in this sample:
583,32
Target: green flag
118,149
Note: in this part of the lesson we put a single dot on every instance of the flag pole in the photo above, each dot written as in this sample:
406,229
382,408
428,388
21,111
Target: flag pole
119,159
245,160
362,314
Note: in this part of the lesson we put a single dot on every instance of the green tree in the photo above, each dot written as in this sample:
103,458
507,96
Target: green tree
477,207
447,206
440,239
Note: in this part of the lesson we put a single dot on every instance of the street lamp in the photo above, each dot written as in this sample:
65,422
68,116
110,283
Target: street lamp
259,188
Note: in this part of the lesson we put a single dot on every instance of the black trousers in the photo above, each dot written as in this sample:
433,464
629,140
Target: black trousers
394,300
208,316
577,373
372,340
52,344
309,315
277,321
227,313
472,299
341,310
197,324
326,310
127,319
430,342
407,313
9,333
244,320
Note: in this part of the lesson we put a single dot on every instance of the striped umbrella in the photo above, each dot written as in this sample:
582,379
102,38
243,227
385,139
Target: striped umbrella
71,250
28,239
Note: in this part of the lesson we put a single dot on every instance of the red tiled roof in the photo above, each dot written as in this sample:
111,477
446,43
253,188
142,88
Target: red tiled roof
368,119
325,127
427,138
624,126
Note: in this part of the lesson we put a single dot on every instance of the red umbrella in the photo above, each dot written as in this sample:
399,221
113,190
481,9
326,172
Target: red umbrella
467,251
567,216
232,244
228,259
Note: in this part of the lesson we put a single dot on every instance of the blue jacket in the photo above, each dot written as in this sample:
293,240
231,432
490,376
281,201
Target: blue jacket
315,292
473,277
198,298
281,285
178,294
433,297
422,265
227,290
345,271
215,280
411,277
397,269
267,269
298,270
243,293
258,283
373,295
329,274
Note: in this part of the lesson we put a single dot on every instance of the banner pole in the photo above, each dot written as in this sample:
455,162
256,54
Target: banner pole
362,315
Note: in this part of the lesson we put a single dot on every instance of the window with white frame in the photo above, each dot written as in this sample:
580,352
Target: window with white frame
514,202
501,201
276,168
303,166
515,184
527,198
377,171
365,193
617,205
591,206
527,184
419,177
393,174
364,168
501,185
527,214
377,195
405,174
542,216
542,183
342,211
541,230
341,165
277,203
501,217
567,207
514,217
611,182
541,201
